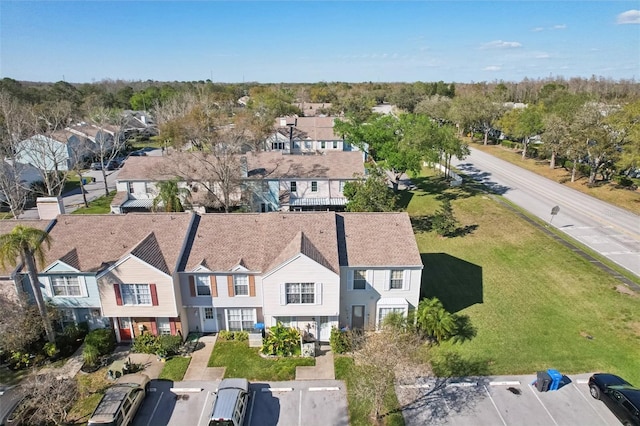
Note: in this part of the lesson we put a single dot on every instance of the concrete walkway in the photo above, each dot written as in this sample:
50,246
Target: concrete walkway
198,369
70,367
323,370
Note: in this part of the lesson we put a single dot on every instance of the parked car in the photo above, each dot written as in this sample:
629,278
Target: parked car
109,165
138,153
231,403
10,399
622,398
121,401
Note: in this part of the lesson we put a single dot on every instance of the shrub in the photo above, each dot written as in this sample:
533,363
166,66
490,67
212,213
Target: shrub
146,344
241,336
50,349
103,340
281,341
169,345
340,341
90,354
625,181
225,335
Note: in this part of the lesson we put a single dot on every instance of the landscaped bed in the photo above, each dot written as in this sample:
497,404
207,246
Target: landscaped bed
242,361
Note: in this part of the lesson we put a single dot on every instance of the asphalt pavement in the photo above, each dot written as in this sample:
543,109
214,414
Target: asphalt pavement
606,229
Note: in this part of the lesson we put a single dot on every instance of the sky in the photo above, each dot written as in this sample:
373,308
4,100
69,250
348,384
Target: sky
313,41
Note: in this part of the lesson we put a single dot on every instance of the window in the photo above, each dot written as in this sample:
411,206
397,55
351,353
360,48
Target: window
302,293
314,186
208,313
307,144
202,285
241,285
395,283
130,186
341,188
335,144
241,319
322,145
66,316
294,187
163,326
359,280
277,145
135,294
383,312
65,286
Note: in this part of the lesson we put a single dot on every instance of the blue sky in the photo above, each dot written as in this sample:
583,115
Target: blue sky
309,41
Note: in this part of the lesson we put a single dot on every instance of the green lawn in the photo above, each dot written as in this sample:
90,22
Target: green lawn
535,304
242,361
175,368
100,205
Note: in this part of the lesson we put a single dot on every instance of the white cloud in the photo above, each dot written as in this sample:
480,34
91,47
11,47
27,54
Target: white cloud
560,27
542,55
499,44
629,17
537,29
491,68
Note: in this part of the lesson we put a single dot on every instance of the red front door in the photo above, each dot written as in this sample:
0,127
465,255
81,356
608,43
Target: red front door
124,328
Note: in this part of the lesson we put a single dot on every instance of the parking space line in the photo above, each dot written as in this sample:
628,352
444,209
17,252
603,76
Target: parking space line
204,408
543,406
253,400
329,388
505,383
424,386
155,408
495,406
277,389
300,409
582,381
590,405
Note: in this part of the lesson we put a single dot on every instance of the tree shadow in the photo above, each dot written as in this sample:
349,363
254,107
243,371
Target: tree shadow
456,282
403,198
425,224
484,178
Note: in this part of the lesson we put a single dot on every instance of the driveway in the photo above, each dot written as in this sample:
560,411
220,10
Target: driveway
505,401
608,230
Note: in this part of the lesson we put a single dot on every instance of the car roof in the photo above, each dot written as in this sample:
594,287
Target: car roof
111,401
632,394
610,379
227,395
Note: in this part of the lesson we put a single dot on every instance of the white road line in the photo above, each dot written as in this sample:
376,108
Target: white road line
205,407
425,386
329,388
582,381
543,406
277,389
185,390
495,406
300,409
154,409
462,384
590,405
253,400
505,383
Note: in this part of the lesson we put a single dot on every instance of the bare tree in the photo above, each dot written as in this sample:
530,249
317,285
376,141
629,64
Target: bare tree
49,401
20,323
109,140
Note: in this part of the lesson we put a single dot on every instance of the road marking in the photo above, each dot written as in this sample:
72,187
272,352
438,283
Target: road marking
505,383
253,400
300,409
543,406
495,406
425,386
590,405
155,408
462,384
582,381
334,388
205,407
277,389
185,390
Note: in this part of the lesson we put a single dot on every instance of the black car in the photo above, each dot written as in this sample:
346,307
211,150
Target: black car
619,395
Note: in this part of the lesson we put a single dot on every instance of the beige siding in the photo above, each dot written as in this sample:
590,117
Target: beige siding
224,301
134,271
301,270
303,188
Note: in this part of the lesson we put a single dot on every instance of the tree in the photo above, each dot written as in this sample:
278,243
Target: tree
110,139
522,124
436,107
20,324
435,321
444,222
554,135
49,401
475,111
27,244
370,194
626,123
171,197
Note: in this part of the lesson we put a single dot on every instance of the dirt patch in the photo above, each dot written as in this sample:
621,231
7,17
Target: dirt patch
635,327
586,335
620,288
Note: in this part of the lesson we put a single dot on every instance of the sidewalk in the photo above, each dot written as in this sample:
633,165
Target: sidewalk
323,370
198,369
70,368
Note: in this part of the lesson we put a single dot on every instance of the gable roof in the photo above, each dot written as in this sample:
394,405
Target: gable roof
6,226
91,242
309,128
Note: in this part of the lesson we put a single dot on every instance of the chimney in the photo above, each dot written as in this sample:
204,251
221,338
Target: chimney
49,207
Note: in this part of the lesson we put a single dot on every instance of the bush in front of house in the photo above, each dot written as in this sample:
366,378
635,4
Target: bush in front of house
164,345
240,336
103,340
340,341
281,341
170,345
145,344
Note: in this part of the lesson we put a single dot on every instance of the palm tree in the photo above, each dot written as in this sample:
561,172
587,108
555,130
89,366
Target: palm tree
435,320
26,244
170,196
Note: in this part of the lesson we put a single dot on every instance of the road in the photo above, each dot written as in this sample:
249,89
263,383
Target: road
608,230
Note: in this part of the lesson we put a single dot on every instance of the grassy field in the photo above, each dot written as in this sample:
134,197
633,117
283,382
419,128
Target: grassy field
624,198
535,304
91,388
175,368
100,205
242,361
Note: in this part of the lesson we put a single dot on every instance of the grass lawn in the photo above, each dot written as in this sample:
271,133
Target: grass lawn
91,387
242,361
358,409
100,205
624,198
175,368
535,304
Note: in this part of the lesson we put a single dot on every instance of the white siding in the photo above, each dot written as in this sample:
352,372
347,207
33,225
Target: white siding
301,270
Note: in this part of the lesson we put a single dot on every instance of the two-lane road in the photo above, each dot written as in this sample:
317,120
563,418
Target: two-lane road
606,229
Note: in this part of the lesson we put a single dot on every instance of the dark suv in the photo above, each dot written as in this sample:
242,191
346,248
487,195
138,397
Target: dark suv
619,395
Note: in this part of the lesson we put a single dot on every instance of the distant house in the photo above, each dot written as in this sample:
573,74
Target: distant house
300,135
313,109
272,181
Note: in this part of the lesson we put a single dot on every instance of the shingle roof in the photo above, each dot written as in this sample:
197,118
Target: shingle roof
263,240
6,226
314,128
88,242
378,239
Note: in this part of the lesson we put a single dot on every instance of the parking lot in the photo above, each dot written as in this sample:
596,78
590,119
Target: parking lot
502,401
293,403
